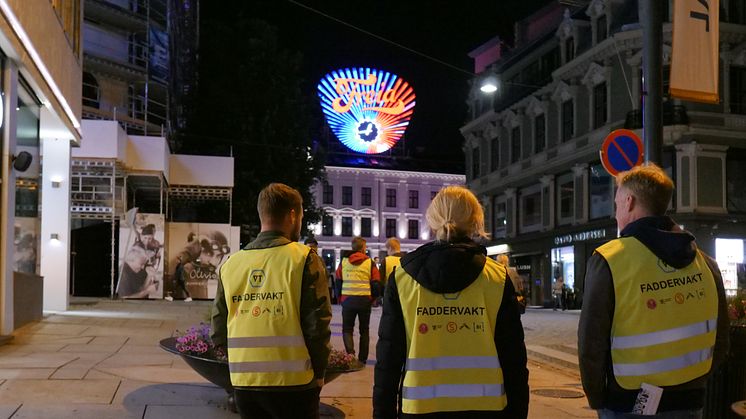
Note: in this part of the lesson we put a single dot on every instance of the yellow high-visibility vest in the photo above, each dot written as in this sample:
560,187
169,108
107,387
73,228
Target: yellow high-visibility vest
452,363
391,263
356,278
665,319
265,341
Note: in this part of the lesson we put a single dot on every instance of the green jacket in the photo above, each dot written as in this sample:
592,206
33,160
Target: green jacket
315,309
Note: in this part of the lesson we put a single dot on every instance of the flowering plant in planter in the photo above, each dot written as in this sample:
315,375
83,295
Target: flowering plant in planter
196,341
341,360
737,309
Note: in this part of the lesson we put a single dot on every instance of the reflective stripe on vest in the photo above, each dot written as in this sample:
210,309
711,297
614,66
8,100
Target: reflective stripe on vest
664,323
452,362
356,278
265,342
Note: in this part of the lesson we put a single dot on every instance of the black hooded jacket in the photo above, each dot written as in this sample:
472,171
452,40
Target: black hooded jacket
675,247
447,268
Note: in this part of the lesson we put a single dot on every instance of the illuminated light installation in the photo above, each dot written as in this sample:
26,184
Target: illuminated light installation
367,109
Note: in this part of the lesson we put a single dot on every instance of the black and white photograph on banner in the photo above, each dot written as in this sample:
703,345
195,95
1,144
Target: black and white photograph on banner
141,256
196,252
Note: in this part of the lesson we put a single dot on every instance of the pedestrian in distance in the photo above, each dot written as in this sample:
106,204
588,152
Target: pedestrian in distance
450,339
517,281
558,292
272,313
391,261
654,315
358,283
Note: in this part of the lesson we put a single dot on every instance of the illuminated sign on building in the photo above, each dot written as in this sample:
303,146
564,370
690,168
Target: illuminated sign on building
367,109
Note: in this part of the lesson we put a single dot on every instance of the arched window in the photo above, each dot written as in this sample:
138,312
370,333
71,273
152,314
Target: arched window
90,90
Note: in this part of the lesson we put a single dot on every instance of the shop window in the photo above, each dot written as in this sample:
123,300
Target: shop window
565,198
414,199
347,226
515,144
568,120
390,227
413,230
729,256
738,90
391,198
563,265
540,133
365,196
365,227
599,105
494,154
530,213
328,194
346,195
601,193
499,226
327,225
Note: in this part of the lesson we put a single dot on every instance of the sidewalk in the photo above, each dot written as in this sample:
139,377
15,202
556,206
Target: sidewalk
101,360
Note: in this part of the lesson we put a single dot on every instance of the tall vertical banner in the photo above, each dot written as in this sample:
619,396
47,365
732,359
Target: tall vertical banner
695,56
141,256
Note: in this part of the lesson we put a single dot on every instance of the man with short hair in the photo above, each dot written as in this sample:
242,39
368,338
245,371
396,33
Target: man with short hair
654,307
358,281
392,259
272,313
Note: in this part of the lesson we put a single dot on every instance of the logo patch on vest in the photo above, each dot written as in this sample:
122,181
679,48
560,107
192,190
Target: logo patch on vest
256,278
423,328
652,304
452,296
665,267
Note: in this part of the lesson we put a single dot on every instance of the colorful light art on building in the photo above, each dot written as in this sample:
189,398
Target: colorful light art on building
367,109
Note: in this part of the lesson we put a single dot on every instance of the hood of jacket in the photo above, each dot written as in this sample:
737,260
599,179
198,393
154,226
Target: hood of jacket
358,258
445,267
665,239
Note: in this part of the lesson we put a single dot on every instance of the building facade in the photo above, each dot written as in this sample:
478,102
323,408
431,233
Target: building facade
40,80
375,204
532,147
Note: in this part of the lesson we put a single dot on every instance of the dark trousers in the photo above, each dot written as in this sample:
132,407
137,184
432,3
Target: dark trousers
179,281
303,404
362,312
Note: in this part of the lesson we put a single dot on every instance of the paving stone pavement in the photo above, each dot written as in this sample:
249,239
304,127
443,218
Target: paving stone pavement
101,360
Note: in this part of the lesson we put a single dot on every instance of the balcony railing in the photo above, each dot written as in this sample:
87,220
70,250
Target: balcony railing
672,115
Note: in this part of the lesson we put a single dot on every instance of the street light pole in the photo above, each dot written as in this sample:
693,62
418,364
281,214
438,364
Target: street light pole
651,21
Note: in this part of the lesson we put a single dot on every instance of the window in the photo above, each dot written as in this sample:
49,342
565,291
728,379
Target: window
90,90
602,30
737,12
565,198
515,145
432,194
414,199
346,195
540,134
390,227
601,193
413,230
365,224
365,194
568,120
569,49
494,154
599,105
501,219
531,210
391,198
347,226
738,90
474,163
328,194
327,225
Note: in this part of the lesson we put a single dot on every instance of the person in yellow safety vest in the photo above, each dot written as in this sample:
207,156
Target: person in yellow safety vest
450,339
654,307
358,283
272,313
390,262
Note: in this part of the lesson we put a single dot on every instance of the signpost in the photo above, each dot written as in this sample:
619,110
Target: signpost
621,151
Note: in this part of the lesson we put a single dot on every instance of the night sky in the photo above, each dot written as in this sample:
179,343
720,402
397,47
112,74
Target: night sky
444,29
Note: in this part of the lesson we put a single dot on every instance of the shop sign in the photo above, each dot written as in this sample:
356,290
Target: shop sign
580,237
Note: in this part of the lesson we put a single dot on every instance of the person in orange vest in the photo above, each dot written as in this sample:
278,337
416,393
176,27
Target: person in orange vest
450,339
654,314
358,283
272,313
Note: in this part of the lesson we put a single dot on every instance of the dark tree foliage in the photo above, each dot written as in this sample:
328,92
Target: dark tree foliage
249,101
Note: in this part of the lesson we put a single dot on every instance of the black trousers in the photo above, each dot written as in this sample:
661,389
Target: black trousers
362,312
302,404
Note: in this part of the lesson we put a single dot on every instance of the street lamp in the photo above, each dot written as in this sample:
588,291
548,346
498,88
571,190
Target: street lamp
489,84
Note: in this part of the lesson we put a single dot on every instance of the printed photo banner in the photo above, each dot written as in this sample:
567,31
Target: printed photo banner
367,109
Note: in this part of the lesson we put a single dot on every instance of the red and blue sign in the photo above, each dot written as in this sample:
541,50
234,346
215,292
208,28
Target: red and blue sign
621,151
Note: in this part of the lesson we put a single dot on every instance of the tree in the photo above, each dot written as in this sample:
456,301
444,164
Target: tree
249,101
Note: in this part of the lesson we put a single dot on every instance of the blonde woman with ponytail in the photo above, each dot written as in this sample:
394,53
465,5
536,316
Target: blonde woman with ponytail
450,331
